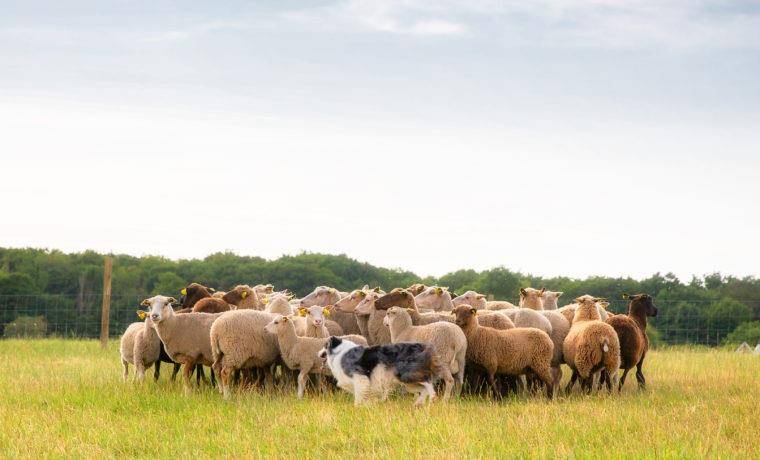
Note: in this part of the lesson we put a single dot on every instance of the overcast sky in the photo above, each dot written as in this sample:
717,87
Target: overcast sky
571,137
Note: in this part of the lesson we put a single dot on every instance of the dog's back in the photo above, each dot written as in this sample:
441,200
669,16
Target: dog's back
411,362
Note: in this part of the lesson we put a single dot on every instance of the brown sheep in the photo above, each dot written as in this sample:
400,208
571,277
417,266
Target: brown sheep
632,333
243,297
532,298
512,351
211,305
591,345
193,293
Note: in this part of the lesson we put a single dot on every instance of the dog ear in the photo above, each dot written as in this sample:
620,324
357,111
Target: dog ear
333,342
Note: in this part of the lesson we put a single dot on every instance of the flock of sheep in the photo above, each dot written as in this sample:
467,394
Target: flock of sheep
254,336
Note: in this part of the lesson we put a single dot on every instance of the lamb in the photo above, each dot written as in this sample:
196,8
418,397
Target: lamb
632,334
550,299
300,353
312,323
512,351
324,296
239,341
185,337
243,297
434,298
448,340
591,345
532,298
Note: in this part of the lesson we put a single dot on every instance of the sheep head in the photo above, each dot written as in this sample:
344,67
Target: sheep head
194,292
532,298
641,303
321,295
396,298
465,315
471,298
315,315
160,307
436,298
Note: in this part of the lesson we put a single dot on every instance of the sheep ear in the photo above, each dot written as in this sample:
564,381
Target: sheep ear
523,292
474,311
244,294
543,289
438,291
558,293
183,291
480,296
265,300
145,303
211,289
301,312
626,297
365,287
171,300
362,294
326,311
377,289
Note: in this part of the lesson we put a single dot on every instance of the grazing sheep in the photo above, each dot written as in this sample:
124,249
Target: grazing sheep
239,341
243,297
300,353
211,305
434,298
471,298
591,345
532,298
550,299
499,305
512,351
449,342
185,337
311,322
631,330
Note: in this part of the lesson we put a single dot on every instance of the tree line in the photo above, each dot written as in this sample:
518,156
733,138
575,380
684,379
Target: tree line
61,293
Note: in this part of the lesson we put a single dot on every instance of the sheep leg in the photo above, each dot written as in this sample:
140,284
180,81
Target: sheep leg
213,377
640,375
201,375
448,380
494,387
302,376
157,370
622,380
139,371
571,383
187,369
224,381
175,371
125,365
608,380
556,376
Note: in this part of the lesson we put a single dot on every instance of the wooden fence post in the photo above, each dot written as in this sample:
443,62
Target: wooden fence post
105,312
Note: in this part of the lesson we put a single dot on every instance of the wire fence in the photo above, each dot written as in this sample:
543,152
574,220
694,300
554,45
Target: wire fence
51,315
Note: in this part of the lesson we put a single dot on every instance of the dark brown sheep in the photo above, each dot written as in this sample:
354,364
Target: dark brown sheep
193,293
632,332
211,305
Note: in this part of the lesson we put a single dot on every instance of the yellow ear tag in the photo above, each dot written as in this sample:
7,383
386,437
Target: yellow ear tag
244,294
301,312
183,291
141,314
266,300
326,311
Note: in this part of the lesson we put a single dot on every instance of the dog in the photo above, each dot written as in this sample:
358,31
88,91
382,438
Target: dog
370,371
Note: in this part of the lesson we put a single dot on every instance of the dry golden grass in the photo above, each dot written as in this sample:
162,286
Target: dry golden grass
65,398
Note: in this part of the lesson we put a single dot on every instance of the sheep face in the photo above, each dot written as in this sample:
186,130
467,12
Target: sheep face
532,298
470,298
349,303
276,324
193,293
315,315
465,315
321,295
238,294
367,305
392,314
160,307
396,298
433,297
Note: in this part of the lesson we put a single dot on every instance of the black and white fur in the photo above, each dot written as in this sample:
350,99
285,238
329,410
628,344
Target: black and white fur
367,371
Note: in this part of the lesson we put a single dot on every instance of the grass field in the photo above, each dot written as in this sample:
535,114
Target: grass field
65,398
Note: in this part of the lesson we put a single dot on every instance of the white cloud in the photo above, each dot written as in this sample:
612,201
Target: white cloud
437,27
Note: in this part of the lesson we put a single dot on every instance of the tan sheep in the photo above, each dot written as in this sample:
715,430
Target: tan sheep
560,328
434,298
532,298
591,346
185,337
550,299
300,353
511,352
449,342
372,318
312,322
325,296
127,346
471,298
239,341
499,305
278,304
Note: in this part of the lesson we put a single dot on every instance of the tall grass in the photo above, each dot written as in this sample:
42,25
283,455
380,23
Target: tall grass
65,398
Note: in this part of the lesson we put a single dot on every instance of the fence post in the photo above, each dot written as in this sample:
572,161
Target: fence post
106,309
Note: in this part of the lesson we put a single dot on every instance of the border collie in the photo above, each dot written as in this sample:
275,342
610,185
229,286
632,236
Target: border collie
367,371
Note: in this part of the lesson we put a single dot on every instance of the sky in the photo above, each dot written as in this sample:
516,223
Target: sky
569,137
